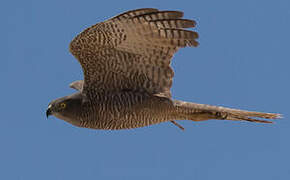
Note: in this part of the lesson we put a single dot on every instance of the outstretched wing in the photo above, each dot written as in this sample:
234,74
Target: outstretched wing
132,51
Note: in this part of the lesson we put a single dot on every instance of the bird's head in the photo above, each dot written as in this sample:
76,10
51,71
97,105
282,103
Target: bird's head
66,108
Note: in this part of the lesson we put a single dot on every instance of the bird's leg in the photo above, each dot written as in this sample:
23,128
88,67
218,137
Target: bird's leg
178,125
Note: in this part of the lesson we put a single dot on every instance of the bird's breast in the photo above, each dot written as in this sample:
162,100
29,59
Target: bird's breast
125,111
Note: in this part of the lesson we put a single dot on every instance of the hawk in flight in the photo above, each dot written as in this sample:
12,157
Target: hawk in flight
127,75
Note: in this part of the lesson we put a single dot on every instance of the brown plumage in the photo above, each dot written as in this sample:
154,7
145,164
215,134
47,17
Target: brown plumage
127,75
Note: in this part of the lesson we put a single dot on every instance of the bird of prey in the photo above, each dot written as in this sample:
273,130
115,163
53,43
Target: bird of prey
127,75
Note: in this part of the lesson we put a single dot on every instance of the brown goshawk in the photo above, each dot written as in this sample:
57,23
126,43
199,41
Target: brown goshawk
127,75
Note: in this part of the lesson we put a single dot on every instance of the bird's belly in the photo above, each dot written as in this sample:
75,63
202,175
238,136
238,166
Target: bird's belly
127,115
125,120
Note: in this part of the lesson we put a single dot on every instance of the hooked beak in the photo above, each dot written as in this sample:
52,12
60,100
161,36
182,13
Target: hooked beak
48,111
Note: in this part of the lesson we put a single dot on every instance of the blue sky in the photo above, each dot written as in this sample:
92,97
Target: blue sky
243,61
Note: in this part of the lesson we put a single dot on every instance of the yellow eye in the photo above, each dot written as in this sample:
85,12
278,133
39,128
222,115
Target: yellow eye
62,105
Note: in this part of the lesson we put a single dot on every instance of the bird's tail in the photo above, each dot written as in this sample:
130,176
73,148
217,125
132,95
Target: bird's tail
202,112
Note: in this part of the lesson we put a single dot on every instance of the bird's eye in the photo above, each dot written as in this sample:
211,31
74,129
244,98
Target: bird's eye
62,105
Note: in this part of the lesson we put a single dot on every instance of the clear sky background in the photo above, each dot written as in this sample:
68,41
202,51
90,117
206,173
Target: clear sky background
243,61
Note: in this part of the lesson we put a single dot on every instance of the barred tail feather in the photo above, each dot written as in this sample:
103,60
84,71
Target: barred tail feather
201,112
